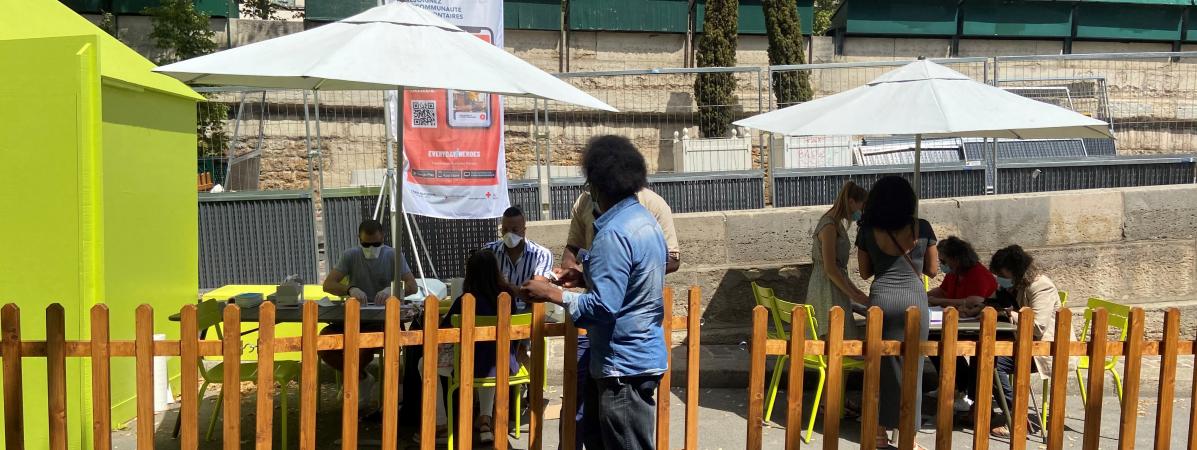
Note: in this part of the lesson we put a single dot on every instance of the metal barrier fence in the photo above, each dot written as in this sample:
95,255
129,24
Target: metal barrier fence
1016,177
804,187
725,191
659,113
1150,99
256,238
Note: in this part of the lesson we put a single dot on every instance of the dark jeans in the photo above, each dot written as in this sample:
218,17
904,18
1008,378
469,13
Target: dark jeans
1004,366
621,413
583,379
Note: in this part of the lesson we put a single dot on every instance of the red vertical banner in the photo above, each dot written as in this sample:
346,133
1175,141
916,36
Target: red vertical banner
454,165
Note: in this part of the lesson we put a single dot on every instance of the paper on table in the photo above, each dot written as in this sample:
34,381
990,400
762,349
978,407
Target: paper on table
936,314
325,302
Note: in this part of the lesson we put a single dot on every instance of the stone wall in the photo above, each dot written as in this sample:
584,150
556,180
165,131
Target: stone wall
1135,246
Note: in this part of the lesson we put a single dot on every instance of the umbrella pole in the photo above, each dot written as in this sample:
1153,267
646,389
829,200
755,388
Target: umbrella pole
395,168
918,170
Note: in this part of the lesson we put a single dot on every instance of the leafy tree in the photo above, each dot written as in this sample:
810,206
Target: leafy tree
785,47
824,9
262,9
180,30
714,92
211,137
108,23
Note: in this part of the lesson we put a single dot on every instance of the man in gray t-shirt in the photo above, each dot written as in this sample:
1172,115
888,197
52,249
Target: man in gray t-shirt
365,271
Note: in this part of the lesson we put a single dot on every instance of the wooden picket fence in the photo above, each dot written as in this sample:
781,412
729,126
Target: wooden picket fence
101,349
1097,348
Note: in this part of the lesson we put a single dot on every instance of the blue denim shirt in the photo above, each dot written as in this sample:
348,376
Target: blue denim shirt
624,306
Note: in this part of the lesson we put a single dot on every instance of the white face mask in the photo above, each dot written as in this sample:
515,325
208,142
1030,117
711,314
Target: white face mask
512,240
371,252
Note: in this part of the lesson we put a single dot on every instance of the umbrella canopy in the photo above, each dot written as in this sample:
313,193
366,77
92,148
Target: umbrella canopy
927,99
398,44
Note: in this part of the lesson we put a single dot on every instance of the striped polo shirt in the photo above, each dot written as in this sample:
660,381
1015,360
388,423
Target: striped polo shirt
536,260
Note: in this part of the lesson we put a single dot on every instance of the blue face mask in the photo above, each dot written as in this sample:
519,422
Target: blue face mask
856,215
1005,283
944,269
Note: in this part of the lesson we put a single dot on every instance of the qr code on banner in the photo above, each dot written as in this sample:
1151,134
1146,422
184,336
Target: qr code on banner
423,114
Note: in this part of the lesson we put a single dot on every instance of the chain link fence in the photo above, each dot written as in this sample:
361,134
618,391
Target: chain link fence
1150,99
659,113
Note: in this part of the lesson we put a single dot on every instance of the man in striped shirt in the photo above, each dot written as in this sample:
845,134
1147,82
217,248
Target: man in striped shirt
520,259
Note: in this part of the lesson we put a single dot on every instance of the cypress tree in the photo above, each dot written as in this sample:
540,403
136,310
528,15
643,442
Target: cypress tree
784,31
714,92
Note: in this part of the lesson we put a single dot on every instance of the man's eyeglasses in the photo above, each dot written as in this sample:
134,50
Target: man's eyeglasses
371,244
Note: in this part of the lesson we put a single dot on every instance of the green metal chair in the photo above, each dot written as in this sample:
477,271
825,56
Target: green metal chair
1046,381
1119,318
522,378
210,315
779,310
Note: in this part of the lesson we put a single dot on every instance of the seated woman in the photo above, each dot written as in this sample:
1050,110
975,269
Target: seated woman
1018,276
966,285
485,283
967,282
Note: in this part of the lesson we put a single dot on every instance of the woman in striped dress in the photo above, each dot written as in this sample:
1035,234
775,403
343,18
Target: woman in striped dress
891,247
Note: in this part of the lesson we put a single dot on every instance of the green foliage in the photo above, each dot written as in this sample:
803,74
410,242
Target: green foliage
714,92
824,9
180,31
108,23
785,47
261,9
211,137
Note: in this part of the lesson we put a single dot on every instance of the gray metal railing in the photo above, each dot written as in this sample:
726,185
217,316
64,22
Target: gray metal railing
805,187
256,238
1040,175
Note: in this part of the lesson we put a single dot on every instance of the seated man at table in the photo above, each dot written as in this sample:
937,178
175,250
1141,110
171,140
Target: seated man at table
369,269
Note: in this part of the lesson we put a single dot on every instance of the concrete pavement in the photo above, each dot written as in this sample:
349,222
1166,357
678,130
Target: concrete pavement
721,425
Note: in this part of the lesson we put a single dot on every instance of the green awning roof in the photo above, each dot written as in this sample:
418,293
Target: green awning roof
667,16
752,16
1003,18
1121,22
898,17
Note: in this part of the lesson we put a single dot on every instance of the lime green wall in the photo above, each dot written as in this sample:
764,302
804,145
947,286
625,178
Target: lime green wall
151,221
45,158
100,207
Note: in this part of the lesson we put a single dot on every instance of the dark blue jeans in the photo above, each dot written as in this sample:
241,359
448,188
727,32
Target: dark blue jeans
1004,366
583,379
621,413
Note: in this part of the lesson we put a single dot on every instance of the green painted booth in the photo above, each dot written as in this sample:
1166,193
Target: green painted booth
97,163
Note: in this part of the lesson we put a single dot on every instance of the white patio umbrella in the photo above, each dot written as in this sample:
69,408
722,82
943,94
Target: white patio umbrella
389,47
926,99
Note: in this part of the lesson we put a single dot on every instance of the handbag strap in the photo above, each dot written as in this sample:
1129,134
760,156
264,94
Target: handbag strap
905,254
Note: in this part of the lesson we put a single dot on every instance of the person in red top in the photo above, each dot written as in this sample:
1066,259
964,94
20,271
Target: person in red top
967,283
